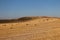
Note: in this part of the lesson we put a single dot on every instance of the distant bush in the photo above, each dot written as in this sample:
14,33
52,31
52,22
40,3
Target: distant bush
11,27
47,19
6,21
3,25
35,24
25,19
27,24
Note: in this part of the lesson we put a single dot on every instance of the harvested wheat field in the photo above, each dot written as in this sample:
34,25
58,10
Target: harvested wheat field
31,28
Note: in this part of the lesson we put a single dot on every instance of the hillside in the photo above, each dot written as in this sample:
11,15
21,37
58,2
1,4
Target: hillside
31,28
22,19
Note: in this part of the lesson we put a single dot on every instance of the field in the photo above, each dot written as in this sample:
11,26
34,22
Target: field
30,28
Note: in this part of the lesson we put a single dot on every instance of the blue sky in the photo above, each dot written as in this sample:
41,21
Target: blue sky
19,8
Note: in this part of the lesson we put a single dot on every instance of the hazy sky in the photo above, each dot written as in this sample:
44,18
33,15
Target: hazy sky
18,8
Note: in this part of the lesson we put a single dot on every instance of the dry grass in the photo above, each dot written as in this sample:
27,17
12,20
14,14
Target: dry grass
45,28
